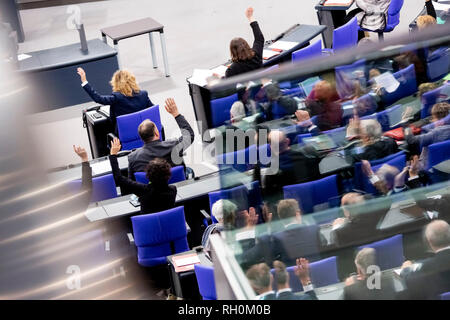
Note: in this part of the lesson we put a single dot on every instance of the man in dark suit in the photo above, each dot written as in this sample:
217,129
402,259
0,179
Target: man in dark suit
365,285
284,292
170,150
430,278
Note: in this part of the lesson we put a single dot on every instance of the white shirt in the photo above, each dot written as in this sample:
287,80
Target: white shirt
84,83
261,296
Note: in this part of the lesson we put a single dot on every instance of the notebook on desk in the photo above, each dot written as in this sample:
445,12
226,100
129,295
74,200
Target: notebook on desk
185,262
337,3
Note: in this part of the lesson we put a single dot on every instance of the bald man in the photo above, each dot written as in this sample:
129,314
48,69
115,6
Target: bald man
429,278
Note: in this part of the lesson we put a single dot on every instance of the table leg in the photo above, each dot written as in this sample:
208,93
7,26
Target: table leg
164,51
116,46
152,49
325,18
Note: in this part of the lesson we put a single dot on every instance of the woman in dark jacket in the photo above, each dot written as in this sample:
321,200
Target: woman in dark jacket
155,196
244,58
126,97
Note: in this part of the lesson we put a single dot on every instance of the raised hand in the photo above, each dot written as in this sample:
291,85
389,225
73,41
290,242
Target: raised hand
302,270
171,107
81,152
367,168
267,215
249,14
115,146
302,116
82,74
414,166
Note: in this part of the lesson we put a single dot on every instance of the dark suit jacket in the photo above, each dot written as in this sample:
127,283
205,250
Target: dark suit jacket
153,198
253,63
432,279
360,291
271,296
289,295
139,159
119,103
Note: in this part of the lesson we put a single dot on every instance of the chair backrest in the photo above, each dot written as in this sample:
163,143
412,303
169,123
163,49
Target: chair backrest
127,126
103,187
437,153
337,135
310,194
348,75
407,87
429,99
399,162
432,125
220,109
393,15
389,252
177,175
438,64
445,296
158,235
241,196
205,281
389,117
312,51
323,273
267,70
245,159
277,111
358,175
346,36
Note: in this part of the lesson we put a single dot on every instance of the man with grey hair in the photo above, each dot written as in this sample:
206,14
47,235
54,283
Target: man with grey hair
237,112
373,145
430,278
363,285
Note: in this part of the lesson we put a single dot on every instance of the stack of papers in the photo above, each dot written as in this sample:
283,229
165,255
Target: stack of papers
337,3
282,45
267,54
185,262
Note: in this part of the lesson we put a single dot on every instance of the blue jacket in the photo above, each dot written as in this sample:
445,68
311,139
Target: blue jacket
119,103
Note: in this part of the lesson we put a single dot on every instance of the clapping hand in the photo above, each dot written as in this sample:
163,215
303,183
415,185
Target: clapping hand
81,152
115,146
302,270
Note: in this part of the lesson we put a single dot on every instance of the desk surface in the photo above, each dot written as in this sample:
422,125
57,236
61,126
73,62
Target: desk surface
65,56
131,29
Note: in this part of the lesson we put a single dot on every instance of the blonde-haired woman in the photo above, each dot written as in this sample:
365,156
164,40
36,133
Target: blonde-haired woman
126,97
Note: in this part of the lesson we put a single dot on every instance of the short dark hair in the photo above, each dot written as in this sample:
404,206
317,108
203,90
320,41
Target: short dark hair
158,171
281,274
240,50
146,130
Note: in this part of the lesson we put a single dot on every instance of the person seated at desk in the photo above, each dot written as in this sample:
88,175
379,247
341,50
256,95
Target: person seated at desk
155,196
244,58
359,225
322,102
284,292
287,105
440,133
170,150
126,97
373,145
363,286
429,278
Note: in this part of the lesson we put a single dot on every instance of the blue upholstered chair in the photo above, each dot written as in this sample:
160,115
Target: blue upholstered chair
438,64
245,159
445,296
358,180
323,273
393,18
429,99
337,135
348,75
389,117
346,36
399,162
220,109
310,194
437,153
127,126
312,51
205,281
159,235
389,252
408,86
177,175
103,187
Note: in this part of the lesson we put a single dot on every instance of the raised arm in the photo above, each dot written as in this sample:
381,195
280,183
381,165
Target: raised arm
86,170
258,43
430,8
135,187
102,99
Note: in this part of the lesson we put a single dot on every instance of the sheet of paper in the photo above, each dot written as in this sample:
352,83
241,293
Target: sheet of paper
387,81
267,54
441,6
193,259
338,2
283,45
250,234
101,167
200,76
23,56
220,70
